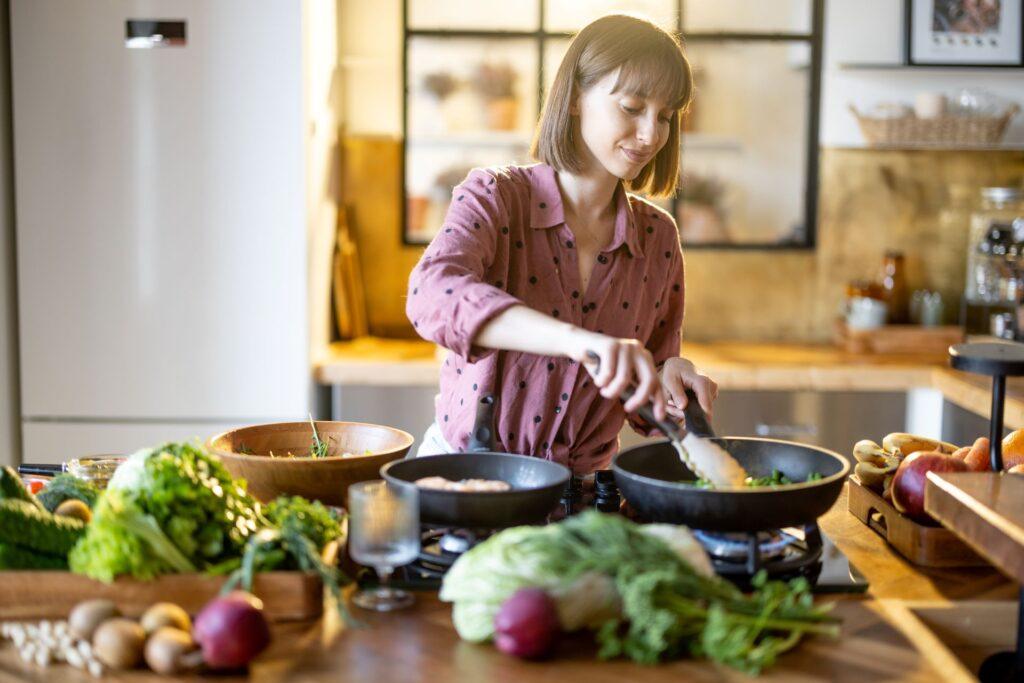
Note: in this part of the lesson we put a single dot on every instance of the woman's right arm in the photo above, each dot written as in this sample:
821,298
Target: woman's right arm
622,361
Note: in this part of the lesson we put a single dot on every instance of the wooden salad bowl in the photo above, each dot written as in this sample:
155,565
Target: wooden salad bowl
246,452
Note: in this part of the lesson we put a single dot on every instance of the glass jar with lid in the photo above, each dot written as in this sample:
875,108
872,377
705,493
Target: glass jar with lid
97,469
989,233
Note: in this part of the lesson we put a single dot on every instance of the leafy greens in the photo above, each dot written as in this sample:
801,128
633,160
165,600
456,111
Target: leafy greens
648,600
172,508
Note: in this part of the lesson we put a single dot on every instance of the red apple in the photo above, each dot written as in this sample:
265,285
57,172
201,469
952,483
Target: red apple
909,482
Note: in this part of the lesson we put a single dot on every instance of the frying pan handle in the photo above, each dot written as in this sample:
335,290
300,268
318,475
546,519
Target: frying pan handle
667,426
696,419
481,439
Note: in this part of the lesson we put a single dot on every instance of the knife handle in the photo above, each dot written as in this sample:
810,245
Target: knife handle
43,469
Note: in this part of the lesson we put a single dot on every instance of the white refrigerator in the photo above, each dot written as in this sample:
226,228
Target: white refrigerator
164,221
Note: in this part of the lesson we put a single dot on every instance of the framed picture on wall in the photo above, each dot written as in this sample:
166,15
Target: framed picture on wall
964,32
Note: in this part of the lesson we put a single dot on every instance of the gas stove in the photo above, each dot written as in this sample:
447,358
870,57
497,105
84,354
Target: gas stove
783,554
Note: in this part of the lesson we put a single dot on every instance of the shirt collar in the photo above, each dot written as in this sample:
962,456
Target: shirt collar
547,211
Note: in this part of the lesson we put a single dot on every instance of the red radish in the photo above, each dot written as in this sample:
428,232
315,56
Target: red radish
909,482
231,630
527,624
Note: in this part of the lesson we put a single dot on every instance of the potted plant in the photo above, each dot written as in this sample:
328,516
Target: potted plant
440,84
495,84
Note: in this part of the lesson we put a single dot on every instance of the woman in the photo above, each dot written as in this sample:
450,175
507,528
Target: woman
554,261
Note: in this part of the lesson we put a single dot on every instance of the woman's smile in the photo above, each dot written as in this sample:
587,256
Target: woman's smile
636,156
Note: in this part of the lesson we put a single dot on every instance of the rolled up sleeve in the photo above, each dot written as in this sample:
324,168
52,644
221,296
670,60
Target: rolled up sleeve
449,298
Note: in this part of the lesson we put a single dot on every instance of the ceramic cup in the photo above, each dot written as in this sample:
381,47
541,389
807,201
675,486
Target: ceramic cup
929,105
864,313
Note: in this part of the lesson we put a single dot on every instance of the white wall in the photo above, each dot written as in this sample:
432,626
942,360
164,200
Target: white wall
10,433
321,83
871,31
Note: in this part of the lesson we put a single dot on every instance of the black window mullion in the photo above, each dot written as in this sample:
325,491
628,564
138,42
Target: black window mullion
674,203
403,200
541,38
810,236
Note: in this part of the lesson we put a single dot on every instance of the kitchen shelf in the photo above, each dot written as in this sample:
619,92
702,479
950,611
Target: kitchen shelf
1010,147
871,66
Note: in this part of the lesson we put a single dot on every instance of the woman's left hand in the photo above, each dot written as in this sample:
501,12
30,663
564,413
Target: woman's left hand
678,374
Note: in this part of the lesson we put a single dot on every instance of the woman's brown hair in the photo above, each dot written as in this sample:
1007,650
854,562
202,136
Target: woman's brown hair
650,62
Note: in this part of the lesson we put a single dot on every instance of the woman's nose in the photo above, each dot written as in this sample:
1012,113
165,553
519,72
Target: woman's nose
645,131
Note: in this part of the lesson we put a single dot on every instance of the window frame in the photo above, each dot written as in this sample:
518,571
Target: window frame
813,39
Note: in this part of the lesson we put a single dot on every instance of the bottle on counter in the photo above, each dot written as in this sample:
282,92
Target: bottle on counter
894,287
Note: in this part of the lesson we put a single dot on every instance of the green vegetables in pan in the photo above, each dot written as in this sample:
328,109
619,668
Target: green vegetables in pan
776,478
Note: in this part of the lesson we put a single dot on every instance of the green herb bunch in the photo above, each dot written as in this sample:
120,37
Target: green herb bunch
312,519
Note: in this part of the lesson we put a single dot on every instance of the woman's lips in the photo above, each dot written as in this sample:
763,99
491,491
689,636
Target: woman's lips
634,156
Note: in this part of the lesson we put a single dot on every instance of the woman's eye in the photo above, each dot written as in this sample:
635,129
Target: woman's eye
632,111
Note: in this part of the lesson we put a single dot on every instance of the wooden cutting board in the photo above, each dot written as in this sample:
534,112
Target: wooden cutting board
986,510
286,596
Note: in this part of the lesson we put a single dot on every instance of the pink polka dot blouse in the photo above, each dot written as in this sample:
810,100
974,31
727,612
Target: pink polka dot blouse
505,242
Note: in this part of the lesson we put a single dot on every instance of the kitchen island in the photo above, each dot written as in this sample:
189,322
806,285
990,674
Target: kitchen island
420,644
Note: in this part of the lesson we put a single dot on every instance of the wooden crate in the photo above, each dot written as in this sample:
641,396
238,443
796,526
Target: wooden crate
897,338
286,596
927,546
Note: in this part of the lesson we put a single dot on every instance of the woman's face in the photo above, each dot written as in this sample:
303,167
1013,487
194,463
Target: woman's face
621,131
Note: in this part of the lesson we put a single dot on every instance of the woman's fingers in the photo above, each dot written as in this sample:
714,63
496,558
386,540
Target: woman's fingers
623,373
706,391
648,388
676,389
609,364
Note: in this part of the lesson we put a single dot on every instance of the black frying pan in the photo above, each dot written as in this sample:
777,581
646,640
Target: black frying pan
536,484
649,477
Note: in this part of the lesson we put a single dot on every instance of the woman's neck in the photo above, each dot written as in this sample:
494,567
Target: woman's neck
587,196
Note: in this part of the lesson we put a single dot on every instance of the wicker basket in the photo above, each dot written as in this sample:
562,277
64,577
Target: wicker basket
960,131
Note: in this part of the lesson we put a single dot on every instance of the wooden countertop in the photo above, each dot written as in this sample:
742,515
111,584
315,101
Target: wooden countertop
733,365
420,644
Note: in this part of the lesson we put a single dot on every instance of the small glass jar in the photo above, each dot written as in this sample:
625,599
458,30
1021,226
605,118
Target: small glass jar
999,207
95,469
